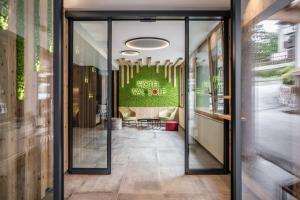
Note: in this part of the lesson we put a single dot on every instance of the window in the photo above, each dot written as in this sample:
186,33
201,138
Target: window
182,85
209,71
203,84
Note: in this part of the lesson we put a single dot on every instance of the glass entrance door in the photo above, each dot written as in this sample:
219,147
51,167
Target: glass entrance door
208,117
89,99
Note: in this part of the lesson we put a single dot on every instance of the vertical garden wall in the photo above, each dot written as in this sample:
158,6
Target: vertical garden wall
50,25
36,32
3,14
20,90
147,88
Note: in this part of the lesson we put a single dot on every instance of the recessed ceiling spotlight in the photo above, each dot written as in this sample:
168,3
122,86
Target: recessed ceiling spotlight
147,43
130,53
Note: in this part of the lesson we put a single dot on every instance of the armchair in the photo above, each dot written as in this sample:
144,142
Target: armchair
127,114
168,114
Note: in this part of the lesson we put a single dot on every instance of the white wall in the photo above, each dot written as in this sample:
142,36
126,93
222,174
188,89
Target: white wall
210,134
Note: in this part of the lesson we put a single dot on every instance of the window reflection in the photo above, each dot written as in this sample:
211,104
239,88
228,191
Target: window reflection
26,96
270,106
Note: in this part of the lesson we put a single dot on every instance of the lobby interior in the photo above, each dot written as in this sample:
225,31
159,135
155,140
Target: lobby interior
148,110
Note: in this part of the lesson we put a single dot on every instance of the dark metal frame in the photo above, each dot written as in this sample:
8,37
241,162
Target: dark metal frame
236,176
58,143
147,15
71,168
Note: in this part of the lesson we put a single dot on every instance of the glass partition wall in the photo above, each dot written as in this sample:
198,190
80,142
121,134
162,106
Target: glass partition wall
88,111
208,116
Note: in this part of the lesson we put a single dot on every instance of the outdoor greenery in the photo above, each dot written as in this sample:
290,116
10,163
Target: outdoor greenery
20,85
3,14
285,73
266,43
277,72
36,15
288,78
144,99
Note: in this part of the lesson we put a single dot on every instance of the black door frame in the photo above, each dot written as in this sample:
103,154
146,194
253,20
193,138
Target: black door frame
150,15
58,139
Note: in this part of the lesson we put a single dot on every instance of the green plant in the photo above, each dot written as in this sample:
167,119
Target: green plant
288,78
50,26
266,43
36,33
3,14
277,72
149,89
20,85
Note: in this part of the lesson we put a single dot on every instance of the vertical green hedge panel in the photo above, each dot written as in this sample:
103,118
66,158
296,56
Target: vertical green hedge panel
36,32
3,14
169,99
20,86
50,25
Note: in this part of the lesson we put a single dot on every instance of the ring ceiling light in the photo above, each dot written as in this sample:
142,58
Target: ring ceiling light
147,43
130,53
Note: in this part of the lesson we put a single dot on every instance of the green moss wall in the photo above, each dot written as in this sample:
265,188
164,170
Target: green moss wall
170,96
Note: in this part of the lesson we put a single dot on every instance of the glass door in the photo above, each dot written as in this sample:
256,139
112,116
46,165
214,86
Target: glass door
89,97
207,132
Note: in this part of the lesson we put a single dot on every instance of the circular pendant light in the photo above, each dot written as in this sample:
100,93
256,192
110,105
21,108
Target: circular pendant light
147,43
130,53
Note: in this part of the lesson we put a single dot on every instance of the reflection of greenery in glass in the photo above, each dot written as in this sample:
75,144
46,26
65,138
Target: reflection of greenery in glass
210,74
50,26
3,14
20,87
288,78
217,71
266,43
274,72
36,7
203,85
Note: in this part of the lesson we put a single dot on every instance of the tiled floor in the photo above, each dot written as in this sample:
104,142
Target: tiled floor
148,165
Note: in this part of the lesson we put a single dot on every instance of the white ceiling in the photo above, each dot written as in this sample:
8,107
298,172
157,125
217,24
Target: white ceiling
95,33
173,31
198,32
147,4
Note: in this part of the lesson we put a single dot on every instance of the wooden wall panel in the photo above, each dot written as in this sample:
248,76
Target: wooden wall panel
84,100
